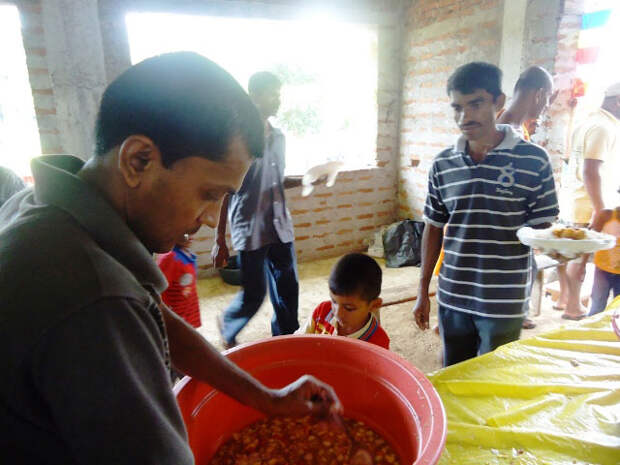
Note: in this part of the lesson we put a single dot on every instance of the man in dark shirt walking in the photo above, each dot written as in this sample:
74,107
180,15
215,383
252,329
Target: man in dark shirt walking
261,229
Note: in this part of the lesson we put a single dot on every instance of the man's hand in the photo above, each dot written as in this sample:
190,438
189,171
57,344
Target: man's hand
219,254
422,310
306,395
559,257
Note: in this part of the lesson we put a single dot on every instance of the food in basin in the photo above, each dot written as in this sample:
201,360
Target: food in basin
375,386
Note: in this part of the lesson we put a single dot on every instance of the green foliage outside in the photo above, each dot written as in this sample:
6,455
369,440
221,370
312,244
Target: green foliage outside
304,118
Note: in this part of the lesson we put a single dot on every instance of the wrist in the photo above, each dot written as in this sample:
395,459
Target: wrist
423,287
267,400
221,241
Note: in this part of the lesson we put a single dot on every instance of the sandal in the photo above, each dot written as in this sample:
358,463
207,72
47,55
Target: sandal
566,316
528,324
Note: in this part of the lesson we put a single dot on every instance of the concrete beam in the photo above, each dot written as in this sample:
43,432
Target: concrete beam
511,51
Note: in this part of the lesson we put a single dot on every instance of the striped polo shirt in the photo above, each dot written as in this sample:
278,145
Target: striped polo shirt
486,270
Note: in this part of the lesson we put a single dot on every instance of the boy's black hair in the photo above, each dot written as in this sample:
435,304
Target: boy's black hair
534,78
476,75
262,81
185,103
356,273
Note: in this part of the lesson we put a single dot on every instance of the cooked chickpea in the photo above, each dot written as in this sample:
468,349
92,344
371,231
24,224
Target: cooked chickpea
281,441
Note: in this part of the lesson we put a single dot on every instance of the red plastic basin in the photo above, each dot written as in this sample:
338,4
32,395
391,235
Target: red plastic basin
374,385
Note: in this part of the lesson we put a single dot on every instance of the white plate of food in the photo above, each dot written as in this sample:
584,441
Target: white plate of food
568,242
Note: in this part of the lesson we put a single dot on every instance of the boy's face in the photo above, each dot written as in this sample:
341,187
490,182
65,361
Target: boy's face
475,113
185,241
351,311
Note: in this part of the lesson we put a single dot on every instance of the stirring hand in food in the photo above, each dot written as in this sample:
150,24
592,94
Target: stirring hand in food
358,455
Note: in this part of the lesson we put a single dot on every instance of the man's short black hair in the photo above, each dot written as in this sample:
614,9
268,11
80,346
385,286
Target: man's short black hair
356,274
474,76
186,104
534,78
262,81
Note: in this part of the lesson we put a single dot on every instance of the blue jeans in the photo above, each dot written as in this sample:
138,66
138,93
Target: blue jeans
604,282
466,336
274,265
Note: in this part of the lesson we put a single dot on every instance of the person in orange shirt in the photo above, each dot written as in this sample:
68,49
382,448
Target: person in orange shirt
607,262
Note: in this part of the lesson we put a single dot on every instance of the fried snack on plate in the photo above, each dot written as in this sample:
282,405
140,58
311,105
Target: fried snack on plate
569,233
565,243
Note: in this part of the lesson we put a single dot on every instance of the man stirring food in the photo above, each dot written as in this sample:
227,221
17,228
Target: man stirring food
87,343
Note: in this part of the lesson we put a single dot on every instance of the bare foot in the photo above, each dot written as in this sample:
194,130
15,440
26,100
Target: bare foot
575,310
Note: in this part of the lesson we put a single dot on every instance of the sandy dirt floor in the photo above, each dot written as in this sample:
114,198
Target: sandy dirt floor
420,348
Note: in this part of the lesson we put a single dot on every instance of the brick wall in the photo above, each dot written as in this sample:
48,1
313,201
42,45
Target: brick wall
440,36
420,44
330,222
33,36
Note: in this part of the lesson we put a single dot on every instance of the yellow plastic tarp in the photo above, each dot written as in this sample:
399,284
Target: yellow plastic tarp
550,399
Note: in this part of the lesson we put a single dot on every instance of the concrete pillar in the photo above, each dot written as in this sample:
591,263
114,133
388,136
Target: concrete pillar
76,66
511,51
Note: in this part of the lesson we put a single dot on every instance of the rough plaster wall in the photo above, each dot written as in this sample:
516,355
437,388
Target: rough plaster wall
75,61
513,31
440,36
332,221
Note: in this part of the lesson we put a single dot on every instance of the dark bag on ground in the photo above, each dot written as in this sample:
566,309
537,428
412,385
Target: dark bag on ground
402,244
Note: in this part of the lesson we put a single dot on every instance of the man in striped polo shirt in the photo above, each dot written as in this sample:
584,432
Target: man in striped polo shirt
484,188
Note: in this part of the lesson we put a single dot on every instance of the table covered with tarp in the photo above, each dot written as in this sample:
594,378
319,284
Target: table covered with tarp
549,399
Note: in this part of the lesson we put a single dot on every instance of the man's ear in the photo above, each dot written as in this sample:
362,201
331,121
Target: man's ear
555,94
137,156
499,102
540,93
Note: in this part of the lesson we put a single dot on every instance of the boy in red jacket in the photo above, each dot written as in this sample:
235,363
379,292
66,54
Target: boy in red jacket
179,268
354,288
